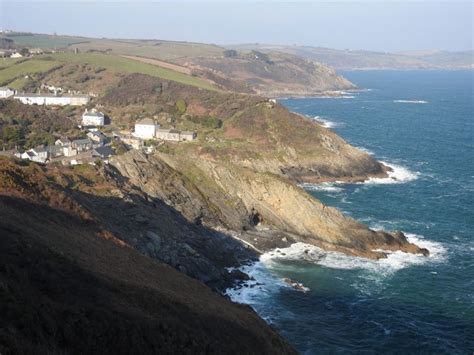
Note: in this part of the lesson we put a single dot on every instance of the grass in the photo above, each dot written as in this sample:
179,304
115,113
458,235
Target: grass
13,71
163,50
119,64
6,62
46,41
18,84
28,67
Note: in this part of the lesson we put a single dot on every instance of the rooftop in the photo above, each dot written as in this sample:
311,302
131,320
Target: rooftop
105,151
146,121
82,141
93,114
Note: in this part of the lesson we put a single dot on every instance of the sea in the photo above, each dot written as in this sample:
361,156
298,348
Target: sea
421,123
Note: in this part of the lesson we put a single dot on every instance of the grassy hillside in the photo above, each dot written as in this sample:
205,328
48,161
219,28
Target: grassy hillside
277,74
17,69
164,50
45,41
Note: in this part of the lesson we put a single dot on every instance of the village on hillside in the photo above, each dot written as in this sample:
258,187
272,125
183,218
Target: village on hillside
100,138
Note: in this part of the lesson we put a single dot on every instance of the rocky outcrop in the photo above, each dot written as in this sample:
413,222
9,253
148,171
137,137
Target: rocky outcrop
258,198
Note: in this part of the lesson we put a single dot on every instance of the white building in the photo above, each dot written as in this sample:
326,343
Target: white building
52,99
97,137
168,134
175,135
146,128
38,154
63,142
93,118
6,92
69,151
82,145
16,55
187,136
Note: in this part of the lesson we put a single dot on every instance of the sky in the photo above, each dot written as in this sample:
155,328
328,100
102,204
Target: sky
352,24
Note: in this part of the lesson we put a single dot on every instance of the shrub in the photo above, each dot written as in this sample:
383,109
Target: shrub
181,106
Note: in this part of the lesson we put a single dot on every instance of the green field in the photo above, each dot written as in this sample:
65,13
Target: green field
12,72
119,64
28,67
46,41
163,50
6,62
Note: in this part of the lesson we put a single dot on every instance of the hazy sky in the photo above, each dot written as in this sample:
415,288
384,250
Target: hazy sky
372,25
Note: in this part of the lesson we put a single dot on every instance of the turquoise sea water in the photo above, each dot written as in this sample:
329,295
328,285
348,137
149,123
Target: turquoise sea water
422,123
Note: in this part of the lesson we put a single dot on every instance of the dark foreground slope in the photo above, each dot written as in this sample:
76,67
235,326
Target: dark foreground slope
69,286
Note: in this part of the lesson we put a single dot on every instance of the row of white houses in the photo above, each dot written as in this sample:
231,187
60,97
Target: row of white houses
45,99
149,129
53,99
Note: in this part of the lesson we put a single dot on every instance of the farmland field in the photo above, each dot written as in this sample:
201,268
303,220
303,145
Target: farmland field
13,71
120,64
162,50
28,67
46,41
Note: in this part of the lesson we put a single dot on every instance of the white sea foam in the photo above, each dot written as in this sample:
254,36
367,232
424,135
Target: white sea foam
336,96
262,286
326,123
335,260
265,283
411,101
366,150
398,175
325,186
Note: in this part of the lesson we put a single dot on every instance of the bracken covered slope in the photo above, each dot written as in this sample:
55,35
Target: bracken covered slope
67,285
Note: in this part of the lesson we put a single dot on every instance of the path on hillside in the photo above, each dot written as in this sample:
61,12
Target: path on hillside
160,63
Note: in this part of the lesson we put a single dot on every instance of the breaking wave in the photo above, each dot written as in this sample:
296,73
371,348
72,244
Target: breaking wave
411,101
326,123
398,175
325,186
264,282
335,260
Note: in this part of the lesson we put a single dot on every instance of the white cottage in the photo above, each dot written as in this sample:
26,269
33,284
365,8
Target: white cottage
5,92
93,118
146,128
187,136
168,134
38,154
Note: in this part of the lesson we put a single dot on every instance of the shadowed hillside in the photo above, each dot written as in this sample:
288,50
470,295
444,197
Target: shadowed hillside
69,286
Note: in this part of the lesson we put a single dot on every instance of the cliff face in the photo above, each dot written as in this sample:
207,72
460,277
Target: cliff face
265,209
68,284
